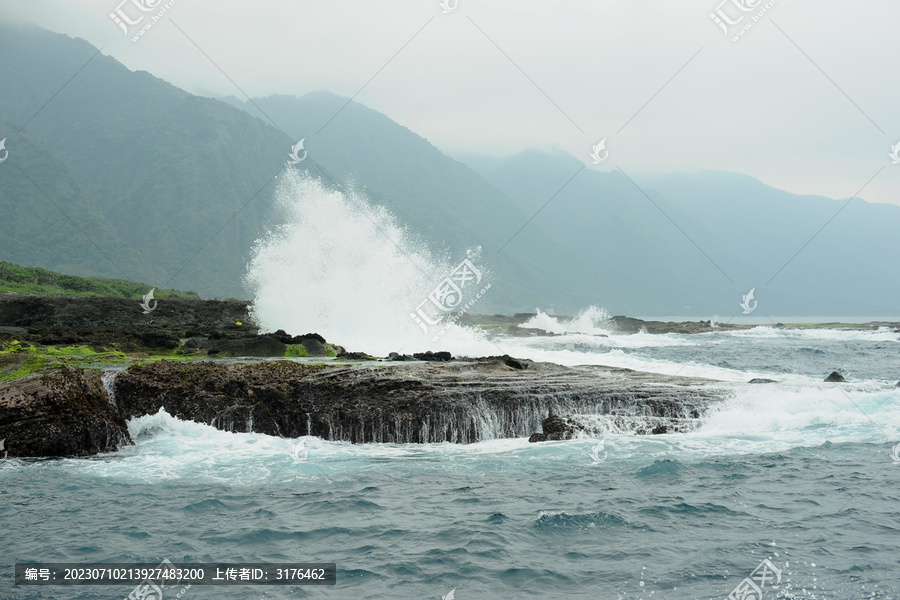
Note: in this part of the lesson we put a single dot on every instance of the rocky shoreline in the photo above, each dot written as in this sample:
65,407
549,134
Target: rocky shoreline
53,401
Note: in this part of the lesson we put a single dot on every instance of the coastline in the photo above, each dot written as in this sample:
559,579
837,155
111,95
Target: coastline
205,361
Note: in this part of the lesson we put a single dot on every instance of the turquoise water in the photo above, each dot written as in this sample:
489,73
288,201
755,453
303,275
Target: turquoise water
799,472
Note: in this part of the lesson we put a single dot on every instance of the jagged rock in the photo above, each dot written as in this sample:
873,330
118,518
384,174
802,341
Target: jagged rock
440,356
460,401
835,377
313,344
159,339
400,357
53,320
354,356
761,380
259,345
511,362
197,342
315,336
63,412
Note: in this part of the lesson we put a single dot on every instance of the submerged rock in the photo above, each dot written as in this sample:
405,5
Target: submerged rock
63,412
761,380
835,377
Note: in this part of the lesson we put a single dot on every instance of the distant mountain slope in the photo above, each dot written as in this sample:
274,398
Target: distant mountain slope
121,174
163,169
658,259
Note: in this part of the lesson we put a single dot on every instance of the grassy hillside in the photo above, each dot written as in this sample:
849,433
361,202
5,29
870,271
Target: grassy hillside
33,280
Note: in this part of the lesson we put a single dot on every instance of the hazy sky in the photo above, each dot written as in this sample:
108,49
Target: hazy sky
807,100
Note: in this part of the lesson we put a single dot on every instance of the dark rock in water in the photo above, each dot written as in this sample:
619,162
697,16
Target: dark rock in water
628,324
160,339
898,384
659,429
440,356
258,345
761,380
460,401
284,337
511,362
835,377
354,356
64,412
400,357
314,344
557,428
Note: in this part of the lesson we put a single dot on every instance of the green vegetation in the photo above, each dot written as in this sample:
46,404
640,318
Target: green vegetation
295,351
33,280
18,359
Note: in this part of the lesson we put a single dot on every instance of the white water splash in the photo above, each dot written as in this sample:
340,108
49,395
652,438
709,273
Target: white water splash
592,320
342,267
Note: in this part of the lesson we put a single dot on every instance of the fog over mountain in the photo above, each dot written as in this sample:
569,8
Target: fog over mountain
123,174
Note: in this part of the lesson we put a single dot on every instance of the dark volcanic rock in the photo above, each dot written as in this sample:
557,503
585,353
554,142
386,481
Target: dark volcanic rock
314,344
835,377
459,401
159,339
64,412
511,362
67,320
354,356
197,342
762,380
259,345
440,356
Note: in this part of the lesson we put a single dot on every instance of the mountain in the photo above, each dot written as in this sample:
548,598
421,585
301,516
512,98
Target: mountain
119,174
140,179
693,244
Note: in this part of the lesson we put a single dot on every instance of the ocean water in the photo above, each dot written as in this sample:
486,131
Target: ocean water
797,472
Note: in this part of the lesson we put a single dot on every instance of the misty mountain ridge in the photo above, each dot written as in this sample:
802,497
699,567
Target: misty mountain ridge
149,173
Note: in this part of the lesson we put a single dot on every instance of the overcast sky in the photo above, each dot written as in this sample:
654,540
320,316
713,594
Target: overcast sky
807,100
